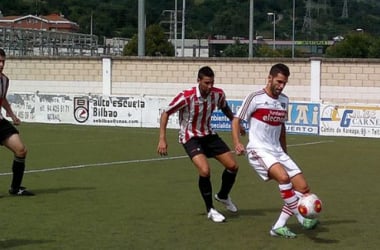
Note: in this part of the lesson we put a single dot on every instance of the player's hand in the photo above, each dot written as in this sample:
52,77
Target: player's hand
162,148
239,149
16,121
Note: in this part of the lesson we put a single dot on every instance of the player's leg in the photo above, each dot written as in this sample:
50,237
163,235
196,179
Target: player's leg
9,137
268,167
195,151
278,173
217,148
205,187
228,180
204,183
299,184
15,144
229,173
281,172
301,188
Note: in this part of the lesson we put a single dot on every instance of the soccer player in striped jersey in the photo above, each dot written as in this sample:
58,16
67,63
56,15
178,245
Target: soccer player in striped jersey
266,112
9,135
200,141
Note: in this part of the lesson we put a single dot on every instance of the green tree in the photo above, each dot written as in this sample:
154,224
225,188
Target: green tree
231,23
268,51
156,43
354,45
236,50
374,50
207,18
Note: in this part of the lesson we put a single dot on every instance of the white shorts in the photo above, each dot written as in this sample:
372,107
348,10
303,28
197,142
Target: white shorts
262,160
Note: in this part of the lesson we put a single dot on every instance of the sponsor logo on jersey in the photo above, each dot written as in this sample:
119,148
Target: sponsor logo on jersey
270,116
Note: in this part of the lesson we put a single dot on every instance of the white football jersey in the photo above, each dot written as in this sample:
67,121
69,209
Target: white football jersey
265,117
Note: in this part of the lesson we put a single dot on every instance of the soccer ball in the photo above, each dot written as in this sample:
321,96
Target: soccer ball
309,206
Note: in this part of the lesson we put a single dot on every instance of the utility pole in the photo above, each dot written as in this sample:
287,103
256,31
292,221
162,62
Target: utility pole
91,32
293,26
307,18
91,21
183,27
274,27
141,28
345,9
175,27
251,33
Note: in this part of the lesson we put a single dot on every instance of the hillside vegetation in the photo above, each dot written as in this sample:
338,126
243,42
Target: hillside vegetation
315,20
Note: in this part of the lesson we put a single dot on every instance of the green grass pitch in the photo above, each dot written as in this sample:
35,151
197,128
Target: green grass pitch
106,188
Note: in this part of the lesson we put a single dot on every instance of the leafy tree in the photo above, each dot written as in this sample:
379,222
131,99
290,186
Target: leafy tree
268,51
236,50
207,18
156,43
354,45
230,23
374,50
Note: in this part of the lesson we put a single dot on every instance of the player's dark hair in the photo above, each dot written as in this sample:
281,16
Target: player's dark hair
279,68
205,71
2,52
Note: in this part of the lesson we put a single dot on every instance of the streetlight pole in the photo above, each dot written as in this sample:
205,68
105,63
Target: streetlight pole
293,26
141,28
251,36
183,28
274,28
175,27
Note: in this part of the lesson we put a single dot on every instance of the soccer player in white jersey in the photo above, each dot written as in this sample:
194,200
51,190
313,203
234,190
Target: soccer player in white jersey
200,141
266,112
9,135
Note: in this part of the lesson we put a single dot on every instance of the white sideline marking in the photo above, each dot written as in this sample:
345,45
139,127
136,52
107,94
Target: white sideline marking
309,143
137,161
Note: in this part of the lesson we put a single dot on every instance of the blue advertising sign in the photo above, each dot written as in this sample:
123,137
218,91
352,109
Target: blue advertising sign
303,118
220,122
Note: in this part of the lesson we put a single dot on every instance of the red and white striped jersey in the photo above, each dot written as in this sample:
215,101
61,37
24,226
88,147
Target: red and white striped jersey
4,84
195,111
265,117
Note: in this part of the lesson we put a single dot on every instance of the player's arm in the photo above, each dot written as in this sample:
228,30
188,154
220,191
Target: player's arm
162,147
228,112
175,105
236,132
283,138
8,109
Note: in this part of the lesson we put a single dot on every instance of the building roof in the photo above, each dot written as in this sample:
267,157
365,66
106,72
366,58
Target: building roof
56,21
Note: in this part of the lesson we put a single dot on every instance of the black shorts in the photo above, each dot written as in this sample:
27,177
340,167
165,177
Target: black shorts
6,130
210,145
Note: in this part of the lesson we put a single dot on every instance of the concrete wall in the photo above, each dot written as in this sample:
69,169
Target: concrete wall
316,79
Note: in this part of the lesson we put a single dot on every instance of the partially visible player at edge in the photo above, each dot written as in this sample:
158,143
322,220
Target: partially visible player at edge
266,112
9,135
200,141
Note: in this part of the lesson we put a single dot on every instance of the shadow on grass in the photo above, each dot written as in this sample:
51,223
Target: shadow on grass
246,212
257,212
58,190
323,227
14,243
313,235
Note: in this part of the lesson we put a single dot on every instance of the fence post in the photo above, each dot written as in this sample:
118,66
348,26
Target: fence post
315,80
107,74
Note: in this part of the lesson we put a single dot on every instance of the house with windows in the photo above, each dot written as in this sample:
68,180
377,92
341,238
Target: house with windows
52,22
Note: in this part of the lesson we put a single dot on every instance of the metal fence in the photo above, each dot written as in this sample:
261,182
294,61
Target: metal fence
29,42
